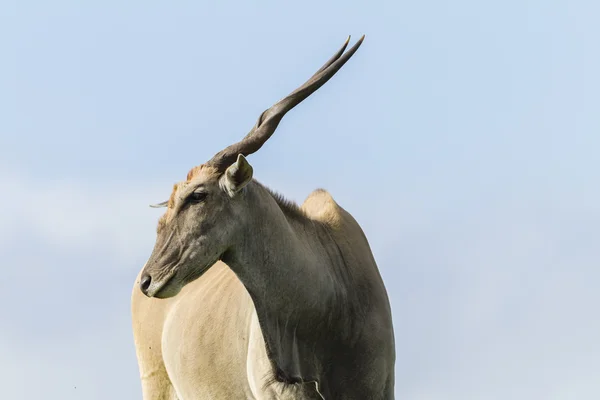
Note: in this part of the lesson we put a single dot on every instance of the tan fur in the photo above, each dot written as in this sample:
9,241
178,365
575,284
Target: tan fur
200,169
320,206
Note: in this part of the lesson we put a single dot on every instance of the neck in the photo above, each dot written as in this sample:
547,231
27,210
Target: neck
294,272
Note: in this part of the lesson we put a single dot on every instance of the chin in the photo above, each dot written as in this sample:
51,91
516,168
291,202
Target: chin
171,289
174,285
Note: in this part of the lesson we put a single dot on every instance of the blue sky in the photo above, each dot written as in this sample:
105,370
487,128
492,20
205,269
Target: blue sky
463,136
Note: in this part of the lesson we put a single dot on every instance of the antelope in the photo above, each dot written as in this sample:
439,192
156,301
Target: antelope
247,295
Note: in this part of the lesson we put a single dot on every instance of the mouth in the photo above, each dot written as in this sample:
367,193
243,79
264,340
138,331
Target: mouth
172,284
163,289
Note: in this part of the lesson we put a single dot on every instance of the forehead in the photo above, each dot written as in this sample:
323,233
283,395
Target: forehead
200,173
203,172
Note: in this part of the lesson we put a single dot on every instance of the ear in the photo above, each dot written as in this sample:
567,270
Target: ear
237,176
159,205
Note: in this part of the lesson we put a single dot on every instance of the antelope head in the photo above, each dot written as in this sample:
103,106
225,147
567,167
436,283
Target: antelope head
206,211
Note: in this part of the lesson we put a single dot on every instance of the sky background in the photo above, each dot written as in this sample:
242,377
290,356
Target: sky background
463,136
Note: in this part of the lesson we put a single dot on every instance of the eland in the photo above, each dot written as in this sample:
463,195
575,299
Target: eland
249,296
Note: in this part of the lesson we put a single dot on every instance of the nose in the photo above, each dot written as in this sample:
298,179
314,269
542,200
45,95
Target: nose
145,283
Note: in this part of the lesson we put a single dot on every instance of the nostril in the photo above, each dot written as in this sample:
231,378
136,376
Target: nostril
145,282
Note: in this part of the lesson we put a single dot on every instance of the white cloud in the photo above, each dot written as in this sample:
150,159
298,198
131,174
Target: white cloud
70,253
80,216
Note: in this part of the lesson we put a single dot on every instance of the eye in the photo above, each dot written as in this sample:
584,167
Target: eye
197,197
